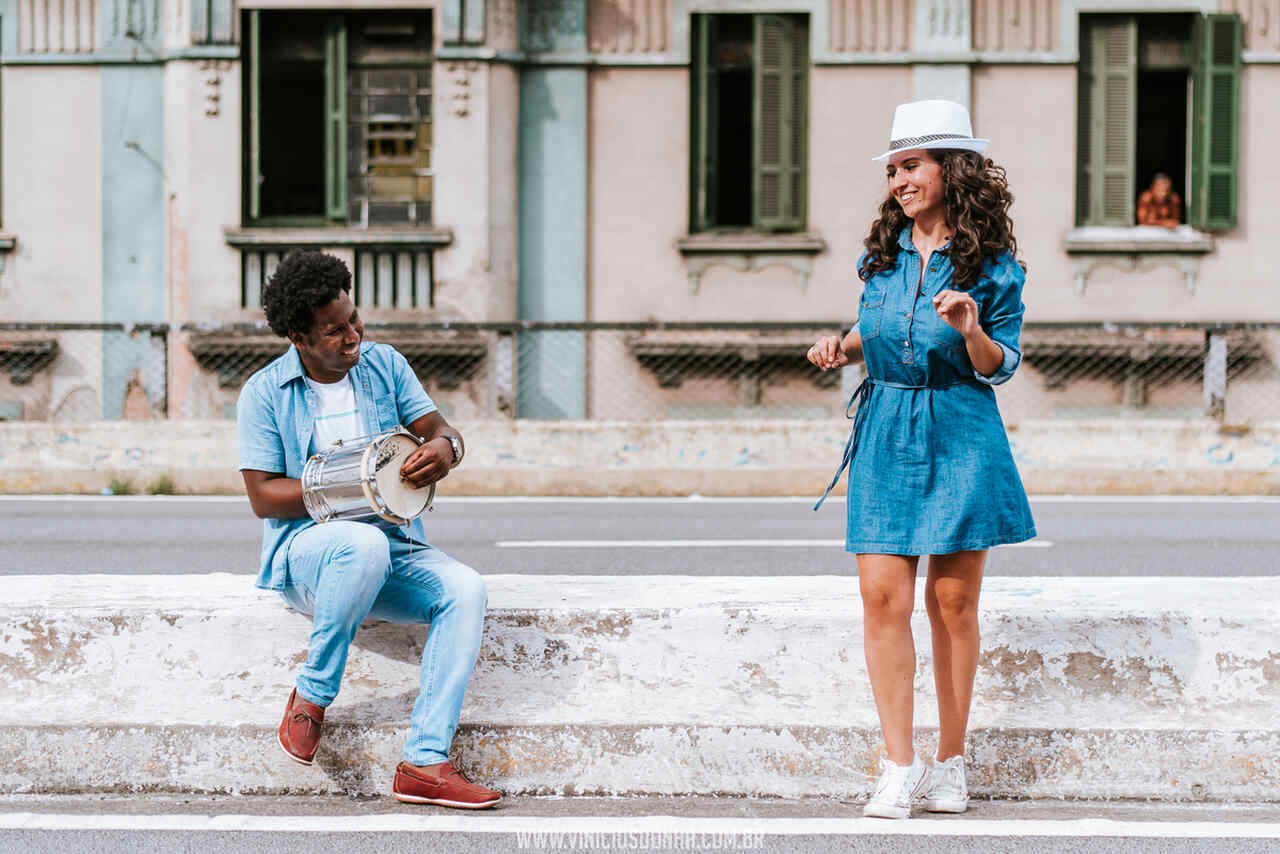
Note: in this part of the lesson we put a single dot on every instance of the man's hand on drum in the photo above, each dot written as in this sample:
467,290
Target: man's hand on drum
429,463
828,353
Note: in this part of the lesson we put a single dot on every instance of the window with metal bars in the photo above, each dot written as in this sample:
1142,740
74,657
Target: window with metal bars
750,117
1158,93
338,118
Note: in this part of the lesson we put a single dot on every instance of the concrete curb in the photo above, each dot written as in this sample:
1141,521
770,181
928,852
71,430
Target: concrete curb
644,760
1087,688
662,458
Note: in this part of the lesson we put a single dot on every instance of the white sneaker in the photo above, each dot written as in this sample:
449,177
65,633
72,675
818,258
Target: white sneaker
897,789
946,790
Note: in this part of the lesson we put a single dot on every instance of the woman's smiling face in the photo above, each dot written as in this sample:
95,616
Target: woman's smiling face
915,180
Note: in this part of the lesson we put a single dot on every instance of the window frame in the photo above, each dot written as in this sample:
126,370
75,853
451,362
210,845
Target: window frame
789,173
1212,153
336,214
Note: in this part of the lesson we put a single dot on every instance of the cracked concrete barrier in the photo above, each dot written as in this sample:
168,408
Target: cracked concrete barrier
1087,688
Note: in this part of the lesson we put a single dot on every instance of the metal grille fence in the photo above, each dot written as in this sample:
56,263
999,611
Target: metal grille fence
637,372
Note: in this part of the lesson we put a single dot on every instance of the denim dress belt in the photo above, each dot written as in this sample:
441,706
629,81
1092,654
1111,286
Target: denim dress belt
860,396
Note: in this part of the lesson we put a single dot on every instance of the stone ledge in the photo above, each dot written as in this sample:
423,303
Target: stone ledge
268,237
1138,239
1114,688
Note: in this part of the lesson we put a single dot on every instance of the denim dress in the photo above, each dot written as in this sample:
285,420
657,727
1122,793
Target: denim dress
930,469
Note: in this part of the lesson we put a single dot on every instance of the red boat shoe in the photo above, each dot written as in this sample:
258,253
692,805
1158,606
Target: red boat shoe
299,734
440,784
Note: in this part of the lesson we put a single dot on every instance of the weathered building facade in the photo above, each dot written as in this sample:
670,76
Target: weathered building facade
495,161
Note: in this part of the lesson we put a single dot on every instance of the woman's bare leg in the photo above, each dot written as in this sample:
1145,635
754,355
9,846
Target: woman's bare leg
888,587
951,600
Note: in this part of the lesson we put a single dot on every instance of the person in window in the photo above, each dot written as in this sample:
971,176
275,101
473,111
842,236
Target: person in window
332,385
930,467
1159,204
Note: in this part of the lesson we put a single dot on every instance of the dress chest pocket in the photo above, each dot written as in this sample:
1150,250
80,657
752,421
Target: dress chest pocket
871,309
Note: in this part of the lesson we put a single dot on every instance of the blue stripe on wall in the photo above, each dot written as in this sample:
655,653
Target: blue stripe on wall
133,219
553,239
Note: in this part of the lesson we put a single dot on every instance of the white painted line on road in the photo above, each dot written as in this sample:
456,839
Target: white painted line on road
135,499
1154,499
610,825
693,544
664,544
706,499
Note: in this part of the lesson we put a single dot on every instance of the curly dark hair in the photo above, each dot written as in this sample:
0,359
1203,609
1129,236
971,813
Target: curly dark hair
306,280
975,202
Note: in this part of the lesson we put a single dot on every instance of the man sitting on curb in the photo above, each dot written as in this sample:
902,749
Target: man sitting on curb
329,386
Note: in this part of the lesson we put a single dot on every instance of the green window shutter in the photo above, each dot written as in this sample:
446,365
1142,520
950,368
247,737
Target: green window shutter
254,176
1112,103
1215,140
704,125
779,120
1085,166
335,119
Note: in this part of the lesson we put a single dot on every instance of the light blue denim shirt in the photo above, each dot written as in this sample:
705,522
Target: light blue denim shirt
912,344
275,417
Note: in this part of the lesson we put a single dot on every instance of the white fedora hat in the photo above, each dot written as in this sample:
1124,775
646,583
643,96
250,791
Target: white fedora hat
932,124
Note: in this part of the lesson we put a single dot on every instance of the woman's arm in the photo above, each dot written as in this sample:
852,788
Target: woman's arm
832,351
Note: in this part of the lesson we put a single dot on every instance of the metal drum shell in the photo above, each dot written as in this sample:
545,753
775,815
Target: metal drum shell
338,484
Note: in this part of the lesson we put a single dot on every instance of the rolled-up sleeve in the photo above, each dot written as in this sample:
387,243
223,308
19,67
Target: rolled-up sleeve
1001,317
259,446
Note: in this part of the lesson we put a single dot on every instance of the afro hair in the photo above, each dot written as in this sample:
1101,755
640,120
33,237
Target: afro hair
306,280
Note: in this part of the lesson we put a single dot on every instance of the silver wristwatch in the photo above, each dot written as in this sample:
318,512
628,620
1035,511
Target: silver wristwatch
457,449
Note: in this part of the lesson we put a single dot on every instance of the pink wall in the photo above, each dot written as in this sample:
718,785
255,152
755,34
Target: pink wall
639,198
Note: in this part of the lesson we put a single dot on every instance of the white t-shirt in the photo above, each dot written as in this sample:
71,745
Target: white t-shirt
336,413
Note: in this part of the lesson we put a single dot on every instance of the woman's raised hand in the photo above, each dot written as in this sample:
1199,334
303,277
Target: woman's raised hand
958,310
828,353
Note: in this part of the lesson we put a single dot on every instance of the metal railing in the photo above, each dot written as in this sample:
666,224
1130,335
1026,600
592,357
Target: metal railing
638,371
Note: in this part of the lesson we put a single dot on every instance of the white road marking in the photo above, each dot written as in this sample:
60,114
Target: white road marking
132,499
693,544
610,825
716,499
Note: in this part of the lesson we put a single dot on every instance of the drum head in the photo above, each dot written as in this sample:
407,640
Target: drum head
386,456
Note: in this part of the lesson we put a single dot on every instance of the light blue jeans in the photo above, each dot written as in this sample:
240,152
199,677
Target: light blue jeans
343,572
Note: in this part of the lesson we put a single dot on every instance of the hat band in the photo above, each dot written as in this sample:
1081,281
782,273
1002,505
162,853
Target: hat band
918,141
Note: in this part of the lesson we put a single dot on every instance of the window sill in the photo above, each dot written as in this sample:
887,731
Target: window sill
748,252
1137,249
253,238
1138,239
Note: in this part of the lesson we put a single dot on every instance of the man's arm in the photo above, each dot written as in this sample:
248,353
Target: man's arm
434,459
274,496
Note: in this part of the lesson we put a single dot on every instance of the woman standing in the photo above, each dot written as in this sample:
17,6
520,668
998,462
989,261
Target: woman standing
930,470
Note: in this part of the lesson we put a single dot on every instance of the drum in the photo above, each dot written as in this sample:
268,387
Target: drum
359,480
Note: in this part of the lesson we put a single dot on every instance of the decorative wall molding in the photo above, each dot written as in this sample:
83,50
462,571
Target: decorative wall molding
459,74
213,71
628,26
1136,250
942,26
871,26
749,252
1261,24
1016,26
57,26
553,25
133,26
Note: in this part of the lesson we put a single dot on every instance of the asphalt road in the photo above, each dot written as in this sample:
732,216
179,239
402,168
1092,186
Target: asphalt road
262,825
1078,536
